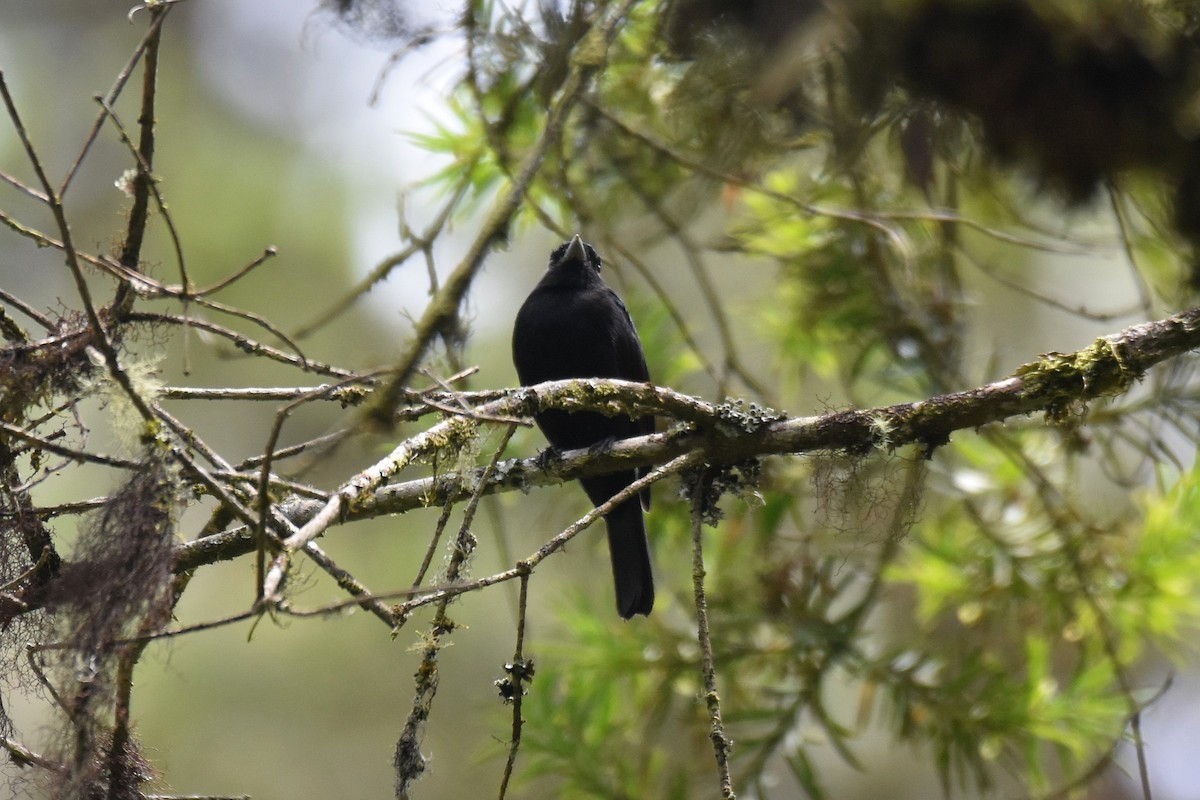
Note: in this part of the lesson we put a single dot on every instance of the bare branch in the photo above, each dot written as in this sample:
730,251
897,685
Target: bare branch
243,343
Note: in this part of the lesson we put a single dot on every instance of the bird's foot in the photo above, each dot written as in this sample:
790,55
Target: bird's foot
548,458
602,446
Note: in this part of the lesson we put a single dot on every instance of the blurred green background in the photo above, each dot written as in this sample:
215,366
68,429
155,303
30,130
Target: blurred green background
267,137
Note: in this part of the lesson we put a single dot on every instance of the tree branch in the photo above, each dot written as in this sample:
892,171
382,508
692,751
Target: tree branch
729,433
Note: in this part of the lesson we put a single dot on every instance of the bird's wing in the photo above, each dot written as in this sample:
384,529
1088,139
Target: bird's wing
632,367
631,358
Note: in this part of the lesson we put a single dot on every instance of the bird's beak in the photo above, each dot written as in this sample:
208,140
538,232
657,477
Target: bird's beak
575,251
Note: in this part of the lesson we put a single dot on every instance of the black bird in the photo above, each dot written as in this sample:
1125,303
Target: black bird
573,326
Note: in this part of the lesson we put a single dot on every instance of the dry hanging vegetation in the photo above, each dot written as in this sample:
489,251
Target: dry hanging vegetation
865,163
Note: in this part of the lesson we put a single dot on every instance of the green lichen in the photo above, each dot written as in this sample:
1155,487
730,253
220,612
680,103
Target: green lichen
1064,381
350,395
458,432
601,398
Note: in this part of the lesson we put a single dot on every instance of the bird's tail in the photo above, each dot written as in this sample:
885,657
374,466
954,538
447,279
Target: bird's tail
630,553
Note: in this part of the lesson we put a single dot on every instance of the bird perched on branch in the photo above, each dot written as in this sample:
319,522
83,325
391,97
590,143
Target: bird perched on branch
573,325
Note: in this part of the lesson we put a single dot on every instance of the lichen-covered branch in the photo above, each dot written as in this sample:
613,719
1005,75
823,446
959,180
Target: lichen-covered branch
730,433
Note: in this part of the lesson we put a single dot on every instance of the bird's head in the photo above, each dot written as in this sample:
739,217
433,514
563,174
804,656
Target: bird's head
575,254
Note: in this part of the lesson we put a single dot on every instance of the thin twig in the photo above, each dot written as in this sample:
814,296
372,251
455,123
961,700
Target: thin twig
468,512
27,309
118,763
416,244
23,188
722,744
42,239
1055,503
875,219
357,486
520,672
31,654
146,177
258,393
277,521
556,543
1023,286
462,407
243,343
43,443
323,441
22,755
276,484
409,763
78,507
363,597
264,482
435,541
42,560
237,275
672,308
113,93
143,182
716,310
10,329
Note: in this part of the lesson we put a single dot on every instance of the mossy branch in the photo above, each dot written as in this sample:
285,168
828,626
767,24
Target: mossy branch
731,433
